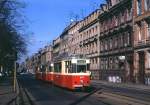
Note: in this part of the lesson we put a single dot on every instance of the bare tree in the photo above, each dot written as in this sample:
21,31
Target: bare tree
12,43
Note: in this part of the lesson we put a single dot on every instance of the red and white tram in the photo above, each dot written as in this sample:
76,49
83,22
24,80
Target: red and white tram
68,73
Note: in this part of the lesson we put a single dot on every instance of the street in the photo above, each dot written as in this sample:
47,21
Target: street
43,93
48,94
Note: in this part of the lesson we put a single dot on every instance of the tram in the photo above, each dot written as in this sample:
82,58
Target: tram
71,73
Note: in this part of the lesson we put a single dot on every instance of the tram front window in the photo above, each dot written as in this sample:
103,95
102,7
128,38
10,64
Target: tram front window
81,68
77,68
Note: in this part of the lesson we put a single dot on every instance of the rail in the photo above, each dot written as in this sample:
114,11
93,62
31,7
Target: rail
22,97
15,101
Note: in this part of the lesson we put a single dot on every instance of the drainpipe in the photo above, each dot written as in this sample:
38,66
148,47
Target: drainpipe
133,38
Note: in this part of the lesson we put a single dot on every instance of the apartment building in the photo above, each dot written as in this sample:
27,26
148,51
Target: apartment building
142,41
116,39
74,39
89,41
56,47
116,52
69,40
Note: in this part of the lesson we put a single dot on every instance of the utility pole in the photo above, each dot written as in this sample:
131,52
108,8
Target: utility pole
14,76
15,59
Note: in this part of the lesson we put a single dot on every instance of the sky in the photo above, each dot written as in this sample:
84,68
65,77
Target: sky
46,19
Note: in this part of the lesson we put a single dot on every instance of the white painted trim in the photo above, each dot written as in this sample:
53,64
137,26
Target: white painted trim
77,85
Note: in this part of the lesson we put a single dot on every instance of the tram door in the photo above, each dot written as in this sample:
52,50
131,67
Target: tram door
141,67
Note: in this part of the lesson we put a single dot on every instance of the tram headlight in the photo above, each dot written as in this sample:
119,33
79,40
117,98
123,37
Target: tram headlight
81,81
52,64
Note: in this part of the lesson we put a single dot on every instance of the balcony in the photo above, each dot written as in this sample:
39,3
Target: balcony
142,43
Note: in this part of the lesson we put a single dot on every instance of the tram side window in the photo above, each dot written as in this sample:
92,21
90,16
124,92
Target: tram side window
57,67
73,70
50,69
42,68
67,66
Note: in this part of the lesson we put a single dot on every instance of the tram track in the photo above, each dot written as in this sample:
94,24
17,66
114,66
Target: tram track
123,98
126,94
80,100
130,92
24,97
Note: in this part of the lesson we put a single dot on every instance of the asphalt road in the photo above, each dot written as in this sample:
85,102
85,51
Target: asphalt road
43,93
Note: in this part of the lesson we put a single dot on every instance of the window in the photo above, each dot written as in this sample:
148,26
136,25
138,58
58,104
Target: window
129,14
110,63
102,63
125,40
106,45
147,5
90,32
116,21
116,62
67,66
110,43
95,28
115,39
125,15
128,38
81,68
119,19
139,7
148,60
139,33
102,46
96,60
57,67
106,63
148,30
122,16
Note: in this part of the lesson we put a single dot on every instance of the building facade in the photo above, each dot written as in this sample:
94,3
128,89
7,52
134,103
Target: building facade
116,39
56,47
116,52
142,41
89,41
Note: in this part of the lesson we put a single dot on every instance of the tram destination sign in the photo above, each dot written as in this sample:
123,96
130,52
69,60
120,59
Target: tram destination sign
81,61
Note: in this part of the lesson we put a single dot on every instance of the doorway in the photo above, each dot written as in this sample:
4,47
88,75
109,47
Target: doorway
142,67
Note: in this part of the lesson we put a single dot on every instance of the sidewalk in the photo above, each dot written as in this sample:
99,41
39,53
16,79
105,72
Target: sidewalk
123,85
6,91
